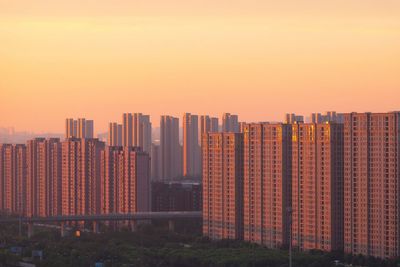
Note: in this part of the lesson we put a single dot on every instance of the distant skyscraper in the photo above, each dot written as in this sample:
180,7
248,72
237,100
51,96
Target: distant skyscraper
114,134
127,129
330,116
119,135
170,149
155,162
208,125
292,118
205,125
89,129
335,117
267,183
71,127
371,184
214,125
85,128
222,185
80,128
136,131
191,148
230,123
142,128
317,186
316,118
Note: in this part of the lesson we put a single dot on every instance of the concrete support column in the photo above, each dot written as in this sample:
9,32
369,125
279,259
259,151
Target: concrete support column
20,227
30,229
171,225
96,229
62,229
133,225
114,226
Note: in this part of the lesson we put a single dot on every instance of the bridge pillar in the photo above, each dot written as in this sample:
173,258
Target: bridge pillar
20,226
96,227
171,225
114,225
62,229
133,225
30,229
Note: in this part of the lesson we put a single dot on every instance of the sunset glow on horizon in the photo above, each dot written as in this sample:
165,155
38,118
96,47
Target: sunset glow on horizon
256,59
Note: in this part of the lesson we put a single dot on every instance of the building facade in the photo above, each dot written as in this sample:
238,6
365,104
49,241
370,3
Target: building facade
109,175
124,180
223,185
43,181
371,187
13,178
133,186
81,176
267,183
317,186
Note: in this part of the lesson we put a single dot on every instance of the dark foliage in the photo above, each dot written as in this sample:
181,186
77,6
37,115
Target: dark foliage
155,246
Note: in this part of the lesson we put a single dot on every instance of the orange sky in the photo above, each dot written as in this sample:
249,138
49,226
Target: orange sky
98,59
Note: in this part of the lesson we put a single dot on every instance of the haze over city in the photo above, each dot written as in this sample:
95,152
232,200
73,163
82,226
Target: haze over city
258,59
200,133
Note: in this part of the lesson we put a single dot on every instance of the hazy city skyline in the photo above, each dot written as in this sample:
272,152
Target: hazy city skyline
261,182
212,133
103,131
99,59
